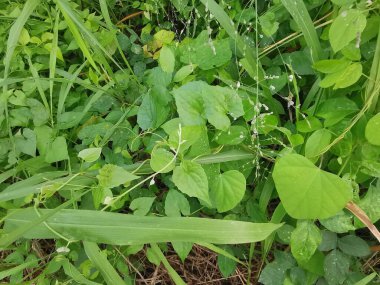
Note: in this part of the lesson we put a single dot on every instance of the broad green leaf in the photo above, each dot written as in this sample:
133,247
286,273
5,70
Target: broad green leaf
112,176
354,246
308,192
343,78
316,143
274,272
183,72
141,206
39,112
336,267
331,65
335,109
162,160
346,27
227,190
372,128
329,241
176,203
339,223
90,154
305,240
369,204
309,124
191,179
122,229
182,249
26,143
268,23
167,59
24,38
226,265
206,53
57,150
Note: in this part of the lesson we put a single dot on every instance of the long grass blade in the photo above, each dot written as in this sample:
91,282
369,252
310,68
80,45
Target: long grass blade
122,229
14,34
100,261
298,11
53,61
173,274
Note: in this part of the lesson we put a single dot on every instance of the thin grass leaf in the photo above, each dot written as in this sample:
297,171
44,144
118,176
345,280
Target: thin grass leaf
122,229
173,274
67,14
53,61
100,261
73,272
65,88
37,80
278,214
15,270
298,11
14,34
221,251
231,155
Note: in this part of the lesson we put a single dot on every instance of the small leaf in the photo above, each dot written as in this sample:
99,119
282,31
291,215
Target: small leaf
90,154
336,267
167,59
57,151
308,192
354,246
346,28
141,206
372,132
183,72
191,179
226,265
112,176
305,240
24,38
162,160
176,203
182,249
228,190
316,143
331,65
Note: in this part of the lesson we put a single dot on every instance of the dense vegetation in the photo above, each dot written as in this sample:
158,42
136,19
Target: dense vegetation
246,130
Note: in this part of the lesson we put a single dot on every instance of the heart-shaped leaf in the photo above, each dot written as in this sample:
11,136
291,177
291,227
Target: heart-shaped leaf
308,192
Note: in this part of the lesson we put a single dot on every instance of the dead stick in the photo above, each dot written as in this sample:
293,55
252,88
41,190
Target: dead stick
130,16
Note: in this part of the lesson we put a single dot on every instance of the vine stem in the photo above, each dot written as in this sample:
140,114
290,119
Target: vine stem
362,216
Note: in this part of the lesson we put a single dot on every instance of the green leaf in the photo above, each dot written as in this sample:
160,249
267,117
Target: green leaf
112,176
24,38
233,136
268,23
167,59
343,78
226,265
309,124
26,143
274,272
329,241
141,206
228,190
182,249
372,133
316,143
183,72
57,151
340,223
162,160
176,203
336,267
346,28
100,261
308,192
123,229
206,53
305,240
335,109
191,179
90,154
354,246
39,112
331,65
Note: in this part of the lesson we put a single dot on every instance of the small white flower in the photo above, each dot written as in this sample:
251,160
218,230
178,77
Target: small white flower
152,182
272,88
261,36
63,249
107,200
291,78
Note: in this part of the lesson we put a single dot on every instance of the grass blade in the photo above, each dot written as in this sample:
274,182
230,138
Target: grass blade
232,155
173,274
53,61
101,262
14,34
122,229
16,269
298,11
73,272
